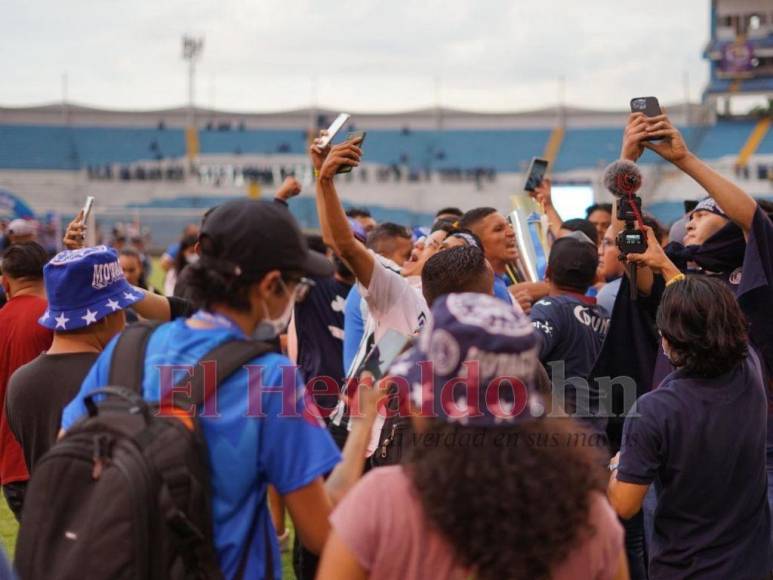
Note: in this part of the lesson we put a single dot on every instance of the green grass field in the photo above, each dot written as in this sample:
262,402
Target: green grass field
8,528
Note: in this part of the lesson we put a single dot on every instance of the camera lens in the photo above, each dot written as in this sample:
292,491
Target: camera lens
639,104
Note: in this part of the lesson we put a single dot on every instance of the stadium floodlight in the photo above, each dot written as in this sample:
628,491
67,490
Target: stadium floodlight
192,49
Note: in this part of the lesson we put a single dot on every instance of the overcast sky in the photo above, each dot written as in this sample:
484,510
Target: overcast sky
359,55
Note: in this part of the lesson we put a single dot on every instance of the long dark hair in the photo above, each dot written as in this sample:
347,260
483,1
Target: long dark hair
512,501
704,326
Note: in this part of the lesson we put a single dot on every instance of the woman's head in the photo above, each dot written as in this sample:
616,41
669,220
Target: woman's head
511,501
702,327
187,253
131,264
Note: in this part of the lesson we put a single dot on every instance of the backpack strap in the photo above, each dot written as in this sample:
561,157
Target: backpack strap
229,357
127,366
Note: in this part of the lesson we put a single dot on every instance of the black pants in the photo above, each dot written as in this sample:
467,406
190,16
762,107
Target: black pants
635,546
14,495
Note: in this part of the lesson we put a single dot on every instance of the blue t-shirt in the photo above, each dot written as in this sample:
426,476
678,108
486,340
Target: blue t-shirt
354,326
702,442
172,250
246,453
500,289
608,294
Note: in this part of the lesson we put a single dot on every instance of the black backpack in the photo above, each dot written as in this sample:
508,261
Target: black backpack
125,493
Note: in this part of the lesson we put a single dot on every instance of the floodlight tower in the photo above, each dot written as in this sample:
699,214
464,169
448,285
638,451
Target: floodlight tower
192,49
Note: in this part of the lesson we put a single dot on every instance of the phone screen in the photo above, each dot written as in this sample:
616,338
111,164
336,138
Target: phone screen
383,354
537,171
334,128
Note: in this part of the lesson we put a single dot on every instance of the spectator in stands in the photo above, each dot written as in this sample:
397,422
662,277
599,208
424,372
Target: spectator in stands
253,262
363,217
579,225
571,324
21,231
435,515
185,256
600,215
87,295
705,525
21,340
498,239
451,214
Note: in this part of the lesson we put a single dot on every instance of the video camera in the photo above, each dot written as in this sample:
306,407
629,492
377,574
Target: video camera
623,179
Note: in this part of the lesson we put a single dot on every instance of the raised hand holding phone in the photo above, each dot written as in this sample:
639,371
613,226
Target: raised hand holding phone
344,154
357,138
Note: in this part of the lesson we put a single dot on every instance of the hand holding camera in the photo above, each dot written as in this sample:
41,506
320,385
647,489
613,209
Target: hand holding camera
654,257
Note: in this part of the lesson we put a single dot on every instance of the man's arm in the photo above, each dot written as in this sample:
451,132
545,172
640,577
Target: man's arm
542,194
626,498
311,505
333,217
734,201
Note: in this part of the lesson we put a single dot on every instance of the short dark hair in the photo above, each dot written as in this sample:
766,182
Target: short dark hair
448,226
581,225
473,216
385,233
316,243
572,264
450,211
355,212
607,207
24,260
704,325
461,269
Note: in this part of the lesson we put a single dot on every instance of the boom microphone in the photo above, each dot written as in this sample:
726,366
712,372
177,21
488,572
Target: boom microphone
622,178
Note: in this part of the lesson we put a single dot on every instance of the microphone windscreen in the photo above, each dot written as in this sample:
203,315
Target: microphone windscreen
622,178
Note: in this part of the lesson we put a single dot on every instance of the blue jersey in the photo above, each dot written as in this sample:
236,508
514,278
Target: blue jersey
500,289
246,453
354,326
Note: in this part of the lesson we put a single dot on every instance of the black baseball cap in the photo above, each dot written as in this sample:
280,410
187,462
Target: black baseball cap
573,261
247,237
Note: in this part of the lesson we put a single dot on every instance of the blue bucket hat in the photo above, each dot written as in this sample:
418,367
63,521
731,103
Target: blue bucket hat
474,363
83,286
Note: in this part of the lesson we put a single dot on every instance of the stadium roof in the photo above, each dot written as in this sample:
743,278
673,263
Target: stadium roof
421,119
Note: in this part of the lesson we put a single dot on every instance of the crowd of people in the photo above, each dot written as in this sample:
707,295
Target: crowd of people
571,427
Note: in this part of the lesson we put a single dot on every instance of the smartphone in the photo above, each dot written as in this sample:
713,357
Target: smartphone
647,105
334,128
536,173
358,138
383,354
87,208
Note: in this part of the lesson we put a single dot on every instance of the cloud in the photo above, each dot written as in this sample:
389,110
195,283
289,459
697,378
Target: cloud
371,54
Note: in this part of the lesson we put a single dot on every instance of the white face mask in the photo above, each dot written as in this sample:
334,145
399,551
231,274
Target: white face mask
269,328
192,258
